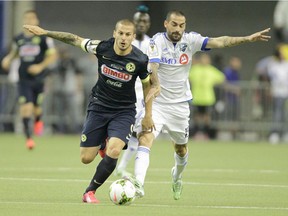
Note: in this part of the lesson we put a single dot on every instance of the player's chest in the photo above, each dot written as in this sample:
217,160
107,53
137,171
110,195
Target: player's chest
117,69
29,47
173,54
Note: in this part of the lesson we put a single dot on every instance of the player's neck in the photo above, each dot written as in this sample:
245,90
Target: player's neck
27,33
140,37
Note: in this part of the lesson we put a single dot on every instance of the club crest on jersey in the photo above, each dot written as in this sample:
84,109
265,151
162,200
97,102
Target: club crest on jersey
152,49
114,74
184,59
130,67
183,47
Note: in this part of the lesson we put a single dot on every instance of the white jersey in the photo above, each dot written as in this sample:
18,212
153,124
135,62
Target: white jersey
175,61
143,46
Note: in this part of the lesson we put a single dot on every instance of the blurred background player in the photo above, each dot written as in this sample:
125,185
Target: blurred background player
36,53
203,77
142,23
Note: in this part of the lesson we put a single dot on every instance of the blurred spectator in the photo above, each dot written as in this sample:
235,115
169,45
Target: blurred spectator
262,96
278,74
281,21
87,66
65,88
203,77
232,72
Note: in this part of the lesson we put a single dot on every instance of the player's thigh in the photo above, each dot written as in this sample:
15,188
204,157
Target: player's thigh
177,123
38,94
158,119
121,126
25,93
114,147
94,130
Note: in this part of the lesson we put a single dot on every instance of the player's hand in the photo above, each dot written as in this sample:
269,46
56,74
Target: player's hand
35,29
153,93
147,125
260,36
35,69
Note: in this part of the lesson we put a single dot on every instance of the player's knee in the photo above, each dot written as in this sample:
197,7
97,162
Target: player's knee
113,152
146,140
181,150
86,159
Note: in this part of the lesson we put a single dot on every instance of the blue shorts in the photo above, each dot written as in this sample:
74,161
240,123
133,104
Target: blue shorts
31,92
102,123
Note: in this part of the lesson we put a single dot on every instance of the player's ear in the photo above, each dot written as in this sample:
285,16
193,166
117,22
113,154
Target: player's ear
165,23
114,33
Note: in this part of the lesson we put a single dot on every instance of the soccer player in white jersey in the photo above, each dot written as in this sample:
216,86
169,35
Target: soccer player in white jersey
141,20
171,52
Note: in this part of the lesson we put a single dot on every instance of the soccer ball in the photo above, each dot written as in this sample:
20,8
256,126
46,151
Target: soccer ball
122,192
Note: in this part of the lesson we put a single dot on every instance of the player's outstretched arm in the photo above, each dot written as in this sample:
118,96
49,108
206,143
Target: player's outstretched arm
227,41
65,37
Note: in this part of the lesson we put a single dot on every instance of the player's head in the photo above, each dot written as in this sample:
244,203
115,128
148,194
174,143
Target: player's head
175,25
141,20
124,34
30,18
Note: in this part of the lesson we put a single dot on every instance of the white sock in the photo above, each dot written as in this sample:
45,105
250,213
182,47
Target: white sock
142,163
129,152
180,164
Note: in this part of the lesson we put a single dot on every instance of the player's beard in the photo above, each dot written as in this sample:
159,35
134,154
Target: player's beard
175,36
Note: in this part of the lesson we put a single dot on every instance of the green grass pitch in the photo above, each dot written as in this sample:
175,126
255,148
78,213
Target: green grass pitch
221,179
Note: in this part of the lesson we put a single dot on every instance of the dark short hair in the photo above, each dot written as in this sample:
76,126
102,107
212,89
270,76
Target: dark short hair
176,12
125,22
30,11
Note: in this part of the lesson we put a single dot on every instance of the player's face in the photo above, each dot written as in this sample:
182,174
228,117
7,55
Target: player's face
124,35
142,23
175,27
30,19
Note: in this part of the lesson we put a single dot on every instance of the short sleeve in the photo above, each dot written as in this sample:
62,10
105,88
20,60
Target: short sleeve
154,52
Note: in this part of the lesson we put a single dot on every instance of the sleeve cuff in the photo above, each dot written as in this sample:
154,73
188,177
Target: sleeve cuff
83,45
154,60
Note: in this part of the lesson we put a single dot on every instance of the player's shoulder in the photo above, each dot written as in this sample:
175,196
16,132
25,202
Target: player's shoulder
105,44
159,35
138,54
19,37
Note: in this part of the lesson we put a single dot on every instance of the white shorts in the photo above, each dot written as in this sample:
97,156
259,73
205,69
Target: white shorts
171,118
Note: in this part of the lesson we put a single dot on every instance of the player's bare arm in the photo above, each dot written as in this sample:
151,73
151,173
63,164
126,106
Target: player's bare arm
50,57
65,37
154,81
147,121
6,62
227,41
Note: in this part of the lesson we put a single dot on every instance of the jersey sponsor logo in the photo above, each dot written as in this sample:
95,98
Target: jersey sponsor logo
170,61
118,67
130,67
29,50
115,74
114,83
184,59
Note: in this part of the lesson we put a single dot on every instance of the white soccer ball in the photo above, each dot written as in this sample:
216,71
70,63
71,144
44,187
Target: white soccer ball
122,192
